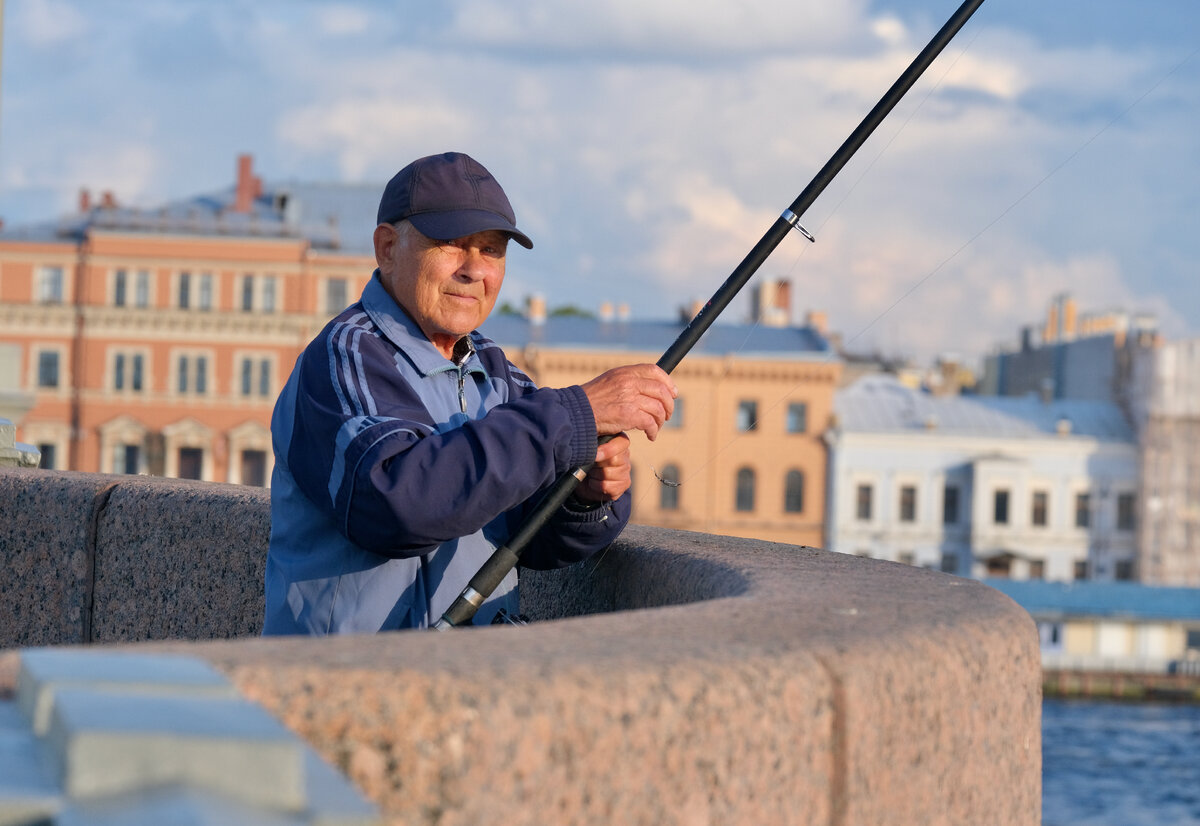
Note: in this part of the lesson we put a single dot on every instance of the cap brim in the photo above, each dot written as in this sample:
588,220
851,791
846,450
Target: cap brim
444,226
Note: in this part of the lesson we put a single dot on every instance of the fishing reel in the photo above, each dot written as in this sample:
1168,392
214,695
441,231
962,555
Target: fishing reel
504,618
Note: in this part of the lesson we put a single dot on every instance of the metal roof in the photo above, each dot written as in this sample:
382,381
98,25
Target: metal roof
744,340
881,404
335,217
1101,599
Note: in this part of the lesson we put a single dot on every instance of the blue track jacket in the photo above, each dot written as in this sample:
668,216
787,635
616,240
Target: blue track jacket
392,487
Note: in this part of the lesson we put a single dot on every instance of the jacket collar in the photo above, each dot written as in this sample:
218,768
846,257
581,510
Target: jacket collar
401,330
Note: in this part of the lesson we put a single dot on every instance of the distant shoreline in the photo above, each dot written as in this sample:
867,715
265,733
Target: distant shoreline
1116,685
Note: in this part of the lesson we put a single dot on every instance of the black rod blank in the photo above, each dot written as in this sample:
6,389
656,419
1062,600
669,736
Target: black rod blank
506,557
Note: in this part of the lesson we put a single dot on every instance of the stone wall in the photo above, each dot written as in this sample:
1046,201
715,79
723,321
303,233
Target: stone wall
726,681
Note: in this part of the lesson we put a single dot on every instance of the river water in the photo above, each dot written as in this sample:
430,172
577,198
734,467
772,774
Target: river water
1110,763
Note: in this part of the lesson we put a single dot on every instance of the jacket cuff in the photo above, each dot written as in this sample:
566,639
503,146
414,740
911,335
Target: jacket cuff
583,426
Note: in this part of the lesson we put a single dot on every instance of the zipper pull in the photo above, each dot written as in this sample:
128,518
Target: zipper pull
462,393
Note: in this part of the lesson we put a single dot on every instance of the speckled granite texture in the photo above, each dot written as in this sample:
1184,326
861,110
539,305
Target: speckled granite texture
754,683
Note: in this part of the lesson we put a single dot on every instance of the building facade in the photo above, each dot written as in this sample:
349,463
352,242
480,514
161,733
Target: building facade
982,486
1166,413
743,455
156,342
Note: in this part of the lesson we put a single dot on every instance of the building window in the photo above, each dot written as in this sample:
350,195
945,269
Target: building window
906,558
1000,507
47,460
1126,515
950,563
191,463
185,291
797,417
141,289
745,490
668,493
862,504
256,377
127,459
676,420
1083,512
793,492
205,289
50,285
950,505
254,468
1038,514
1124,570
908,503
1081,569
47,370
335,295
128,371
247,293
1037,569
747,416
268,294
120,288
192,374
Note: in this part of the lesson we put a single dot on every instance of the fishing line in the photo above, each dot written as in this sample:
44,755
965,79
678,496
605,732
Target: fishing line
756,320
940,266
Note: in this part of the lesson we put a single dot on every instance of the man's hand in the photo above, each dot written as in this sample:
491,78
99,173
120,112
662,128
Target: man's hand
612,474
636,397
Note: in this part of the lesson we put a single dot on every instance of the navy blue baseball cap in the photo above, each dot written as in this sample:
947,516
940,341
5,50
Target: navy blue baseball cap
449,196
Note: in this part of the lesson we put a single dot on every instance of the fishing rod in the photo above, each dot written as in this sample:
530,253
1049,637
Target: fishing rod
507,556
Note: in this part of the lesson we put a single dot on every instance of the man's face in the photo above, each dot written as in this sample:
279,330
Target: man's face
448,287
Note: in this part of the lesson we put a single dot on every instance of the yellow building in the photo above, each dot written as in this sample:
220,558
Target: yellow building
743,454
157,341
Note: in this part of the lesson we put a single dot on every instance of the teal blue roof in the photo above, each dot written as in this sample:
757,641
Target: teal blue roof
1128,600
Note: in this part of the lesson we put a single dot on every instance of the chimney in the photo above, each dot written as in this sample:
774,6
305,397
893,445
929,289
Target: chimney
606,311
535,309
818,320
85,200
248,186
783,300
107,201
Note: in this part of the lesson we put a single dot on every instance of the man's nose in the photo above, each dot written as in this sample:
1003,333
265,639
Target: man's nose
473,265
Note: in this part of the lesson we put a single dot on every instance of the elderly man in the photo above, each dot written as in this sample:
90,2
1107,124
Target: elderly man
408,448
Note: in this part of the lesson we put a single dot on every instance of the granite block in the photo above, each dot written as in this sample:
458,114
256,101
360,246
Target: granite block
181,560
46,553
109,744
43,672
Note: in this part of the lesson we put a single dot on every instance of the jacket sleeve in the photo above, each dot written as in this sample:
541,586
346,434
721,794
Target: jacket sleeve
362,447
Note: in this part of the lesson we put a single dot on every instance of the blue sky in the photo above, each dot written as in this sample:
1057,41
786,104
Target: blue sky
1054,147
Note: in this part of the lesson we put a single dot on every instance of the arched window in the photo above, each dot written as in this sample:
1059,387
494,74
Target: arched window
793,492
668,490
745,490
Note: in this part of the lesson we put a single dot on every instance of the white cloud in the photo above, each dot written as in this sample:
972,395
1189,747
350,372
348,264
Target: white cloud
343,20
48,22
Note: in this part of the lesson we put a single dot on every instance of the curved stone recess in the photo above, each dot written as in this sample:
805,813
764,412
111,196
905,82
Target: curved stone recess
691,679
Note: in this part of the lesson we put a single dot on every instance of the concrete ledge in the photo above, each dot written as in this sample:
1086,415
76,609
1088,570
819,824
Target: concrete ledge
803,687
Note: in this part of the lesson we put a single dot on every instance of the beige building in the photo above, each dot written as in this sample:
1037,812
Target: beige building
743,455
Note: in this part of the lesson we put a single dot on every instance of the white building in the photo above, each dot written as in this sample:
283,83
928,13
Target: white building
982,486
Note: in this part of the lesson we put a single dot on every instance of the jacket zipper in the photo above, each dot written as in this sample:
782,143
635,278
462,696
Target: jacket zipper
462,393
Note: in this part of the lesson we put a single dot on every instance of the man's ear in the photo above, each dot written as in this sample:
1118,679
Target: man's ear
385,237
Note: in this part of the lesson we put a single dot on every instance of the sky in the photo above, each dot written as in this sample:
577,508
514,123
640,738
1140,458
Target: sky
646,146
